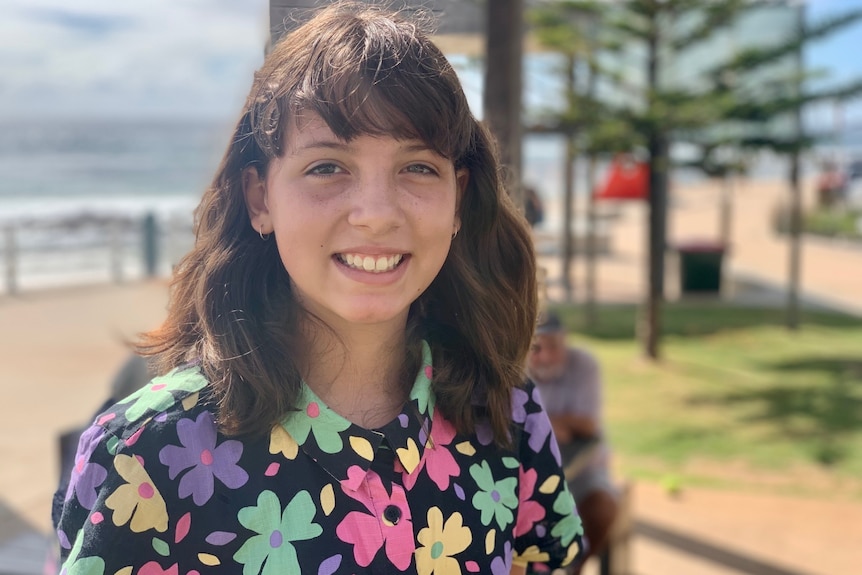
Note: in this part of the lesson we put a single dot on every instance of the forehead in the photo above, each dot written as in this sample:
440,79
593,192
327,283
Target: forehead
308,129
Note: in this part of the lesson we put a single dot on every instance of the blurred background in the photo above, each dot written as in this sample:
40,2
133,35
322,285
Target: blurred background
698,166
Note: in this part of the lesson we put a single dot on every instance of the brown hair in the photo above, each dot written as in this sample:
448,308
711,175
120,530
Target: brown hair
364,72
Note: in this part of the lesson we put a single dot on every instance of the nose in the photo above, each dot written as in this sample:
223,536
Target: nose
376,203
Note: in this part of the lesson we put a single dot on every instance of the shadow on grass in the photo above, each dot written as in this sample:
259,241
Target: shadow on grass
618,322
818,403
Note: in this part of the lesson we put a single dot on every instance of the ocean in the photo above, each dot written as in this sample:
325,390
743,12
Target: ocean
75,194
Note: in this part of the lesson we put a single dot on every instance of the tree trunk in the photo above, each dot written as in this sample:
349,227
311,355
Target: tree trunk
657,145
569,187
795,263
591,256
502,95
725,223
795,239
568,218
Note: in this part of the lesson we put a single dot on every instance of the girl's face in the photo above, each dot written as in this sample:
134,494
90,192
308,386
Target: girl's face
362,227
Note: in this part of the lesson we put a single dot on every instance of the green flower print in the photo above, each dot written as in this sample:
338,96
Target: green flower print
275,532
421,392
570,524
495,499
85,566
315,417
157,396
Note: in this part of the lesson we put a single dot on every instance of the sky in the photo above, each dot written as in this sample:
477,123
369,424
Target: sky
128,58
187,58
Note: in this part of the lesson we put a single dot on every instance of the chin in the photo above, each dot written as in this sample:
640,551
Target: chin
366,316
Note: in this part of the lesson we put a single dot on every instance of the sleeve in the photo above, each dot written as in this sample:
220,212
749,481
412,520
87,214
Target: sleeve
548,529
112,513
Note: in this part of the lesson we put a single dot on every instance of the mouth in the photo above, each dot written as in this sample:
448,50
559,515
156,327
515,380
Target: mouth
371,264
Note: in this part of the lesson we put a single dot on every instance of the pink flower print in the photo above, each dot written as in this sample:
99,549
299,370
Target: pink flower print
437,460
153,568
206,460
529,512
87,476
389,523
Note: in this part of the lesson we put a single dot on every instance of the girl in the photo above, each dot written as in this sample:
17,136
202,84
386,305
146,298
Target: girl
343,353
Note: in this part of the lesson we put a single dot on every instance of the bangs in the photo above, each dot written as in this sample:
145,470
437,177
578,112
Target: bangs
375,77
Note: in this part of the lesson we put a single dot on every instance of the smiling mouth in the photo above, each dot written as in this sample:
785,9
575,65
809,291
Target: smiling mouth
373,264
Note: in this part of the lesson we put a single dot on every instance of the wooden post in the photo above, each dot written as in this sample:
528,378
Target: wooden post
116,249
11,260
502,96
150,245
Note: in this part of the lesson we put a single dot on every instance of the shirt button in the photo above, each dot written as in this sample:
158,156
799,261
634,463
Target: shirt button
392,514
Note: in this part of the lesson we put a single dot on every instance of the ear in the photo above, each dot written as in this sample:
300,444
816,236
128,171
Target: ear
254,191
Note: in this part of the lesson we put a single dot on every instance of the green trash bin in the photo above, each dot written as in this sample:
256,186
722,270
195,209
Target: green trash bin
700,266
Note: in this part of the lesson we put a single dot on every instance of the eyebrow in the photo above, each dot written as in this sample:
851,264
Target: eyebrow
413,146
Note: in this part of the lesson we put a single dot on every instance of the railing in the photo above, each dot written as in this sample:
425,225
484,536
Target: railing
89,248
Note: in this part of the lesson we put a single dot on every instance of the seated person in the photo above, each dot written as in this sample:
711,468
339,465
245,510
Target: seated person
569,381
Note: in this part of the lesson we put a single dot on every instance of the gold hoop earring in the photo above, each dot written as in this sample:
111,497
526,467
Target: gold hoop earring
261,234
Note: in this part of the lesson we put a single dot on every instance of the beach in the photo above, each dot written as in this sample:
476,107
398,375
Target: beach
60,347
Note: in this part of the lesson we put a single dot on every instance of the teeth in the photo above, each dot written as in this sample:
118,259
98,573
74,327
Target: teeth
370,263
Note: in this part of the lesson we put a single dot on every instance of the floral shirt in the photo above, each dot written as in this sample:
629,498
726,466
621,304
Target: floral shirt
156,490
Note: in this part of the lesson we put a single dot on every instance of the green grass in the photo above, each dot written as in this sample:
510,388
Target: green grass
841,223
736,400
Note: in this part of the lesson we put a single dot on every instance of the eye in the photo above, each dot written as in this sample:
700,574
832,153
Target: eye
326,169
421,169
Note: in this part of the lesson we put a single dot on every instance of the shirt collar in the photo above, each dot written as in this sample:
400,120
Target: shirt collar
346,450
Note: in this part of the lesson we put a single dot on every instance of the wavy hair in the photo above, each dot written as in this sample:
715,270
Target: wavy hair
364,71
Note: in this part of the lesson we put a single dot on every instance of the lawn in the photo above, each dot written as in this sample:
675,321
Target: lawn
737,400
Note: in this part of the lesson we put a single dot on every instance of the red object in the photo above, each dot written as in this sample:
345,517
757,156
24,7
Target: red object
628,179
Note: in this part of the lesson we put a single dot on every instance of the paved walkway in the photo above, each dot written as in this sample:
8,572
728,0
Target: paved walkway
757,263
62,347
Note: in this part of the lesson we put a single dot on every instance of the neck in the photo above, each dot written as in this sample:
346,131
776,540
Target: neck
359,372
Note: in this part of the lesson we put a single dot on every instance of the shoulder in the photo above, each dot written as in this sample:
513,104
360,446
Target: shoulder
530,422
582,358
178,391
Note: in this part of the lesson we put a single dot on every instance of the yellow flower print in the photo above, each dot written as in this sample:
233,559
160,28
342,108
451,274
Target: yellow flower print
280,441
138,499
439,542
531,554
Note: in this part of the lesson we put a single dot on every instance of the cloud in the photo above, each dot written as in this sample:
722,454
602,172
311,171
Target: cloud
158,58
89,24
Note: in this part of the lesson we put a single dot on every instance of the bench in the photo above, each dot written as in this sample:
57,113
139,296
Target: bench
616,558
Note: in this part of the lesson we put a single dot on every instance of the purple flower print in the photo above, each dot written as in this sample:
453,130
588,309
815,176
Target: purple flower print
87,476
207,460
503,565
519,401
538,426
